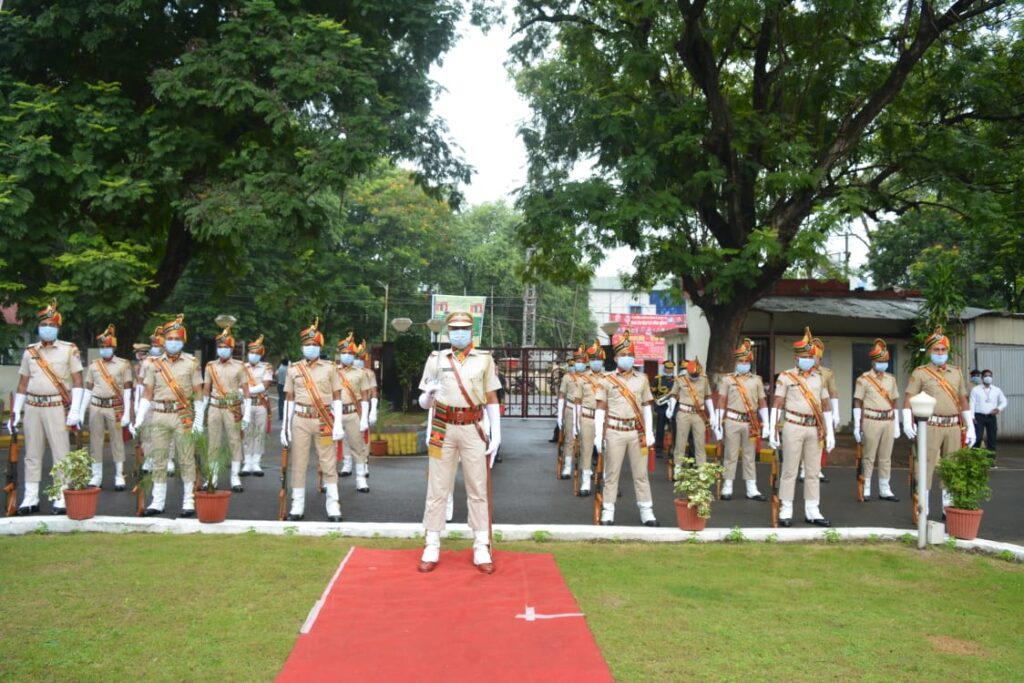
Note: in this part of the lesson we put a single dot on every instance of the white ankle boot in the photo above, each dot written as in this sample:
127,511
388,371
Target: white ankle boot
867,489
188,498
752,492
885,492
236,481
31,497
333,505
119,482
647,513
156,505
727,489
246,464
256,469
97,475
362,485
585,483
482,551
608,514
346,465
567,468
432,549
813,515
298,509
170,467
786,512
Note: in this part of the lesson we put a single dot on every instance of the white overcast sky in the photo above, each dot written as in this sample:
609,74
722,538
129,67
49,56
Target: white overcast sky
484,112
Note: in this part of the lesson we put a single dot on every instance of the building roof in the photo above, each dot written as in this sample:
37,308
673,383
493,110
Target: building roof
872,308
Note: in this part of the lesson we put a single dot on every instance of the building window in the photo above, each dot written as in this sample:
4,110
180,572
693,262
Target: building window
635,310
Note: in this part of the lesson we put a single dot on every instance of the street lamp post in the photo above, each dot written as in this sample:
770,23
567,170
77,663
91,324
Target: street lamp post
922,406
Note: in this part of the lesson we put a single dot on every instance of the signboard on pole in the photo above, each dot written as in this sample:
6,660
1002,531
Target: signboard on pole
443,304
641,331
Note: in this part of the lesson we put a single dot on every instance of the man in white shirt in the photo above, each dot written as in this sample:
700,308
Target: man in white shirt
987,401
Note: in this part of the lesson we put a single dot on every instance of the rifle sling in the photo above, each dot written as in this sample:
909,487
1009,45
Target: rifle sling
880,390
819,416
950,392
325,414
696,400
173,385
65,395
755,424
631,399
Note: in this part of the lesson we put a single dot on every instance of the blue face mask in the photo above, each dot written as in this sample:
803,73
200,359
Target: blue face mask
106,354
155,351
742,368
881,367
580,367
805,364
311,352
976,379
174,346
625,363
597,365
359,363
460,338
223,353
47,333
254,358
939,358
347,358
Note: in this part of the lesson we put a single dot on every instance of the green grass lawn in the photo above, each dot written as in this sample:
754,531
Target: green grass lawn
153,608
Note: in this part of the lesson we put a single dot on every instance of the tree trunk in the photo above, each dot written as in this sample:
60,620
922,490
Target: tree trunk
726,322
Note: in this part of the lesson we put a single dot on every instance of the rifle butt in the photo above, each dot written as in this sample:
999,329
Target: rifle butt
776,504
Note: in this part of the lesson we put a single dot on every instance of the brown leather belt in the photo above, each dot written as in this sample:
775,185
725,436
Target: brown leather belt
106,402
348,409
801,419
165,406
944,420
687,408
587,412
620,424
303,410
739,417
225,402
877,414
37,401
458,416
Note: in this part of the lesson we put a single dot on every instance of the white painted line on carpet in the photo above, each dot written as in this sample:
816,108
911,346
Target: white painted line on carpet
315,611
531,615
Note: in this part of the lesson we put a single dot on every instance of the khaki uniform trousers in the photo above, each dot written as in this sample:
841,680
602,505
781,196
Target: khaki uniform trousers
306,433
461,442
941,442
166,429
568,443
737,441
354,438
686,424
586,444
800,445
101,419
221,420
43,423
254,439
877,439
619,446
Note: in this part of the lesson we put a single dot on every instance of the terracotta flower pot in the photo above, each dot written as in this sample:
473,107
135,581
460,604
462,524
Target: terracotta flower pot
81,504
963,524
687,517
379,447
212,508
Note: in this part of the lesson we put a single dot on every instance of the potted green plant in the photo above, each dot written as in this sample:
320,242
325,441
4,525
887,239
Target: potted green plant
71,476
964,474
692,485
211,503
379,445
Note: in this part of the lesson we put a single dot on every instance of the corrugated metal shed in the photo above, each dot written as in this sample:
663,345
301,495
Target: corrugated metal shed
852,307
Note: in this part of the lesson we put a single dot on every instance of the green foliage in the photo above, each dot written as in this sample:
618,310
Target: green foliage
411,350
944,300
41,529
735,535
541,536
694,482
908,539
950,543
498,536
1007,556
455,535
964,474
73,472
832,536
771,538
212,462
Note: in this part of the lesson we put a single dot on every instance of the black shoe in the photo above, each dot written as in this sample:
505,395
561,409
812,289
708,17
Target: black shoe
365,489
237,489
333,518
563,477
187,513
584,493
119,488
497,458
759,496
26,510
60,511
294,518
651,522
146,470
343,473
552,440
822,480
786,523
323,489
818,522
151,512
257,473
726,496
867,499
243,473
891,499
604,523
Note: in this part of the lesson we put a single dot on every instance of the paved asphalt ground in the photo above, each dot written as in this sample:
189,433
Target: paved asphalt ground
526,491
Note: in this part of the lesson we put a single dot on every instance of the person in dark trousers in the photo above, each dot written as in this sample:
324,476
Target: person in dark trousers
282,374
987,401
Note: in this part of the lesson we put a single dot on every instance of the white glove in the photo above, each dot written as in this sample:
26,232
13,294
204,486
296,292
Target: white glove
599,430
337,431
762,413
246,415
908,424
558,415
671,408
137,392
773,429
86,400
969,421
426,398
709,405
494,417
286,423
373,411
74,418
257,388
895,424
575,420
719,424
364,416
835,413
200,408
856,424
126,398
830,436
140,416
648,426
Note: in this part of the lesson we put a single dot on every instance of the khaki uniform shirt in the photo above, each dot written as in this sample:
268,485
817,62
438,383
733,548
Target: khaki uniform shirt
261,373
184,369
829,379
922,380
62,357
478,372
120,371
325,381
371,378
231,374
570,387
794,400
868,394
618,406
733,401
589,383
701,387
352,393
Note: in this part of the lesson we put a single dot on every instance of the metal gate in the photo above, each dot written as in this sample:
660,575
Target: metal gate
530,377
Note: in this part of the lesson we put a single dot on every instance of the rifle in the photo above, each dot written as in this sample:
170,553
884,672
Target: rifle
598,485
670,461
912,475
560,459
137,488
720,457
11,488
282,496
860,472
576,457
773,481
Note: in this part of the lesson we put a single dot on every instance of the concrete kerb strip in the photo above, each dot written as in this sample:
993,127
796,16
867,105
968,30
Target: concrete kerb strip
16,526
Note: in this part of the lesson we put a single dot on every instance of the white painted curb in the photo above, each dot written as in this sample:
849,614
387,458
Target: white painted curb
16,526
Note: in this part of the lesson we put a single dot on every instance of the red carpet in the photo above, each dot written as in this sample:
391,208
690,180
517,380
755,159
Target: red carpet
381,620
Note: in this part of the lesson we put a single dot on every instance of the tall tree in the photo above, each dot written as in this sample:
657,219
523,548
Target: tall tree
721,141
160,132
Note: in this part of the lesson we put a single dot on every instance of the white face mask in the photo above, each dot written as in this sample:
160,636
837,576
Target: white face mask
106,354
254,358
311,352
460,338
359,363
805,364
174,346
940,358
580,367
223,352
597,365
881,367
625,363
155,351
986,380
47,333
742,368
347,358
